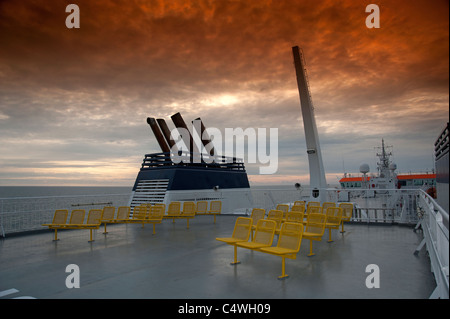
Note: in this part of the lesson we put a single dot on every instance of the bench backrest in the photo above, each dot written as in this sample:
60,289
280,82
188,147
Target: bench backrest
188,208
108,212
290,236
94,217
277,216
314,210
156,212
174,208
123,212
334,215
312,203
347,210
140,212
215,206
283,207
242,228
202,206
60,217
325,205
298,208
77,216
294,217
265,230
257,214
316,223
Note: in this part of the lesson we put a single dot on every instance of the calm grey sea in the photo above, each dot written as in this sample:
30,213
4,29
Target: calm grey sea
37,191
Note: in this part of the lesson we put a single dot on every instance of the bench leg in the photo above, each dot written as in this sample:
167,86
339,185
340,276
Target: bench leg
56,235
214,218
329,236
105,232
154,232
187,223
342,228
310,249
235,257
90,236
283,268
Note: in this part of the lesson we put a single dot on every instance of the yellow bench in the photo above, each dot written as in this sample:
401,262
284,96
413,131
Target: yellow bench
347,213
215,208
288,245
76,221
241,233
265,231
334,216
145,215
174,211
314,229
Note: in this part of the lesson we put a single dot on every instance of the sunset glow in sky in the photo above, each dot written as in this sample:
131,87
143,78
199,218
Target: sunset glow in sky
74,102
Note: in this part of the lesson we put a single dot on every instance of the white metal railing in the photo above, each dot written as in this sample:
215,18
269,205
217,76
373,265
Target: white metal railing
434,222
21,214
387,206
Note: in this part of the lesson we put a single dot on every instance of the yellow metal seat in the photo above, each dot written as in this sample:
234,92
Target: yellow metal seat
108,215
284,208
294,217
347,213
288,244
155,216
277,216
300,203
173,210
123,213
202,208
257,214
59,219
241,233
215,208
188,212
265,231
312,203
325,205
313,210
315,228
334,216
298,208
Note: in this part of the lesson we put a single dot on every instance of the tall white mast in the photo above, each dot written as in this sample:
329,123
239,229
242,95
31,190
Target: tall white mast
317,178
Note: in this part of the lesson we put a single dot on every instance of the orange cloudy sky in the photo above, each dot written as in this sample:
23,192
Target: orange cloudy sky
74,102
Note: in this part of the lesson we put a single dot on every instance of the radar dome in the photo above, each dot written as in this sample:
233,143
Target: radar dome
364,168
393,166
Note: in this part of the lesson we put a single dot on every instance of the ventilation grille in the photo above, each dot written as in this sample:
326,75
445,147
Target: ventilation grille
149,191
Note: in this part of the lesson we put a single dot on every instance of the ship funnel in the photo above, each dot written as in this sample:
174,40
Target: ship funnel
166,132
159,136
177,119
206,141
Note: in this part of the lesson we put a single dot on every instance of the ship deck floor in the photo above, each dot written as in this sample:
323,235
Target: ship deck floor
180,263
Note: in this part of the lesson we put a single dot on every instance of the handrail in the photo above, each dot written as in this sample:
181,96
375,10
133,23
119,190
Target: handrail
435,229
